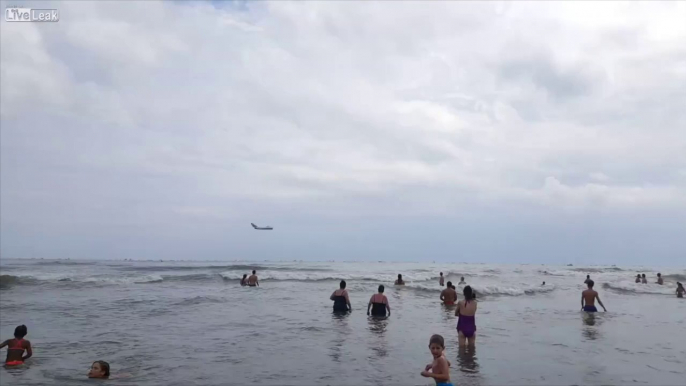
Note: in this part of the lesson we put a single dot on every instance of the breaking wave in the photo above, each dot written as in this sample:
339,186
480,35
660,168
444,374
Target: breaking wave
630,287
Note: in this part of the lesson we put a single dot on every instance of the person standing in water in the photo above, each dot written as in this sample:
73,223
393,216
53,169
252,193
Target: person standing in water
588,298
638,278
379,304
448,295
244,280
252,280
659,279
461,281
643,279
680,290
588,278
440,280
439,369
341,300
400,280
17,346
466,323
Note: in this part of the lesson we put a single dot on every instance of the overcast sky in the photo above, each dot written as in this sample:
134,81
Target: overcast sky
542,132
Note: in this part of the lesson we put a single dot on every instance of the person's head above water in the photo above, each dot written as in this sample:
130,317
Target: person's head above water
400,277
643,275
659,275
468,293
588,276
245,275
99,369
543,283
450,284
343,284
441,273
638,275
462,278
381,288
20,332
590,283
436,345
254,272
679,285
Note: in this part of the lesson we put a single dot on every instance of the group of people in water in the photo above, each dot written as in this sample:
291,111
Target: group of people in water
378,306
641,278
17,346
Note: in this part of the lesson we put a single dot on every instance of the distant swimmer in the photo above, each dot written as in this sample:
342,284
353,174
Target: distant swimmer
379,304
588,298
439,369
466,323
341,300
461,281
440,281
588,278
680,290
252,280
448,295
99,369
244,280
643,279
638,278
400,280
17,346
543,284
659,279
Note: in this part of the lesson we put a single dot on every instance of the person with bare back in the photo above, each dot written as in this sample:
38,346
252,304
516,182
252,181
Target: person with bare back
252,280
466,323
449,295
588,298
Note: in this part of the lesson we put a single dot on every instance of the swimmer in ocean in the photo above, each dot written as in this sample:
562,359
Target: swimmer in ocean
17,346
439,369
588,298
341,300
99,369
244,279
588,278
252,280
466,323
379,304
461,281
680,290
643,279
638,278
659,279
400,280
448,295
440,281
543,284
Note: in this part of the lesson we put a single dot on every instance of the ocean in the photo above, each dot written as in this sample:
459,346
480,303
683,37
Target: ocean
191,323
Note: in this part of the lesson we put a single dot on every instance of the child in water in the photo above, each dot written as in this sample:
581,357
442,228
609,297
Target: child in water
680,290
99,369
440,367
16,347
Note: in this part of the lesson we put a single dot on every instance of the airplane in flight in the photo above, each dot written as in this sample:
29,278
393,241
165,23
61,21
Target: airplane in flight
267,228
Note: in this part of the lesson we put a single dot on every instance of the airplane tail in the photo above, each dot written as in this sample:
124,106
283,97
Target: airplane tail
253,225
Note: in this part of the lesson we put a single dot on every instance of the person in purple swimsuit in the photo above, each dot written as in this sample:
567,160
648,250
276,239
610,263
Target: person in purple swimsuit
466,324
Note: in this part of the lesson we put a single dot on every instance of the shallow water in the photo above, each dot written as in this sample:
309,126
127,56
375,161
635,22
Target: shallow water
182,323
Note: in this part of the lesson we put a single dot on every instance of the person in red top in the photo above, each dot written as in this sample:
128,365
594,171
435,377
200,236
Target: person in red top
17,346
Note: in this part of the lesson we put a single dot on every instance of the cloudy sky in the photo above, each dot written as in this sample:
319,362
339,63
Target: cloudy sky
543,132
